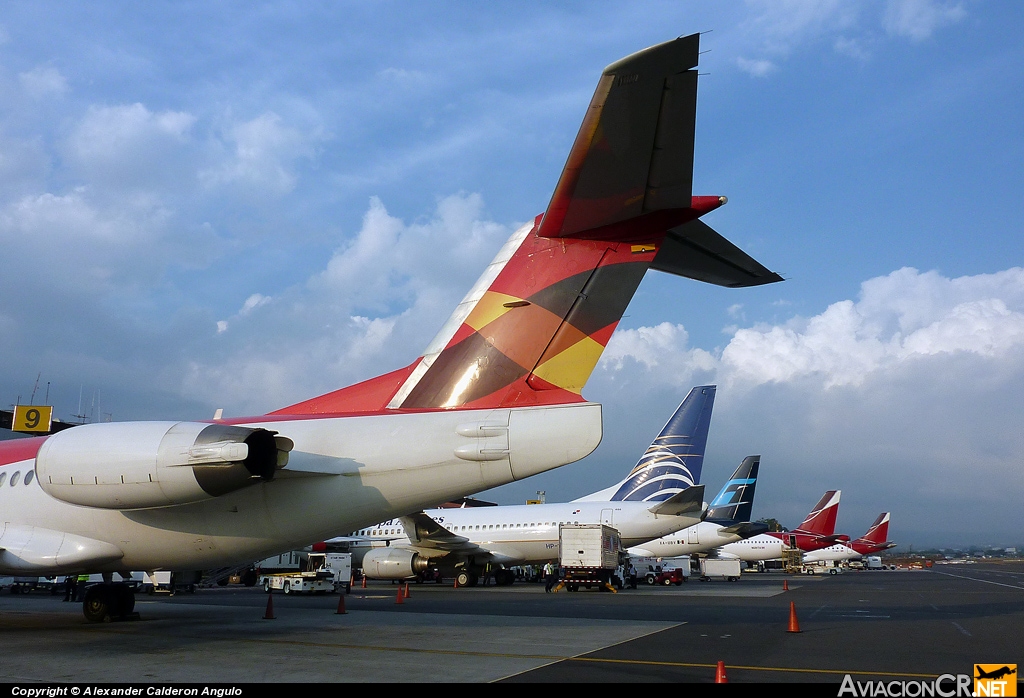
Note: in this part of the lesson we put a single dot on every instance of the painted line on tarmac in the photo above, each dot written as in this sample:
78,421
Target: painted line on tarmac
793,670
599,649
986,581
961,629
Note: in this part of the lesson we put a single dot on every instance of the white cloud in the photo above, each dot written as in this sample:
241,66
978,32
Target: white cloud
43,80
899,318
262,156
128,145
757,68
919,19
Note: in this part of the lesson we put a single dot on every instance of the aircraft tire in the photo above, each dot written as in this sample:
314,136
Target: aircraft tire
97,604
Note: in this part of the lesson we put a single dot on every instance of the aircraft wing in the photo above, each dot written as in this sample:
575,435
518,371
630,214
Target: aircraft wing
431,538
689,502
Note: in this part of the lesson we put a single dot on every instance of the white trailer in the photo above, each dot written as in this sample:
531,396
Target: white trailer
712,567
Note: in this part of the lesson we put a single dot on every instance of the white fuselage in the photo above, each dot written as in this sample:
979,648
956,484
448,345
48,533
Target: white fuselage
524,534
701,538
754,549
833,553
342,473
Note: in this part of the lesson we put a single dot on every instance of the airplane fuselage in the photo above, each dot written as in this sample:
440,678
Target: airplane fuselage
700,538
525,534
341,474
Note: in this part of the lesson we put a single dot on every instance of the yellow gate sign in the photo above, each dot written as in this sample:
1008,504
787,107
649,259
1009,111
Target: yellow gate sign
34,419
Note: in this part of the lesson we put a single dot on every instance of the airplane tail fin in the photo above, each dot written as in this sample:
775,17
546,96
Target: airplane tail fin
822,519
736,500
876,537
533,327
674,459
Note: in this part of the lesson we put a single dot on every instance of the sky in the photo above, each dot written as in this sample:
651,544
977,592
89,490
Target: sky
240,206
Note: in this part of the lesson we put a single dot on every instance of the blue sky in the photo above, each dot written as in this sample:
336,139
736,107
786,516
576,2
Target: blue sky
224,206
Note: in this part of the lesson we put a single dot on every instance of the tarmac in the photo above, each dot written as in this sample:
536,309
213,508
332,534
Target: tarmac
874,625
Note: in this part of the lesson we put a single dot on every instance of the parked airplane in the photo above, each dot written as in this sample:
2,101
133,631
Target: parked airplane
728,519
657,497
873,541
495,397
816,531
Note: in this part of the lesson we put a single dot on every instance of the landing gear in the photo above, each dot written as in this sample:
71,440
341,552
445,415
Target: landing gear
104,602
466,578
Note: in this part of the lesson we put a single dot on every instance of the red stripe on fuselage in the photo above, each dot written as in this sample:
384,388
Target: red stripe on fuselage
17,450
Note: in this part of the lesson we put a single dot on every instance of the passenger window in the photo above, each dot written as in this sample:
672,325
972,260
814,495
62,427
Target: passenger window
28,476
3,476
14,478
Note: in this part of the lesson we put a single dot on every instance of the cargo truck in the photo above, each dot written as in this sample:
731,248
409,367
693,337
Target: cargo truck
589,556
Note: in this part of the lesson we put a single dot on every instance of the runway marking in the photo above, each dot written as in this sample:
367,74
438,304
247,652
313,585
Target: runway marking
556,660
794,670
986,581
819,608
961,629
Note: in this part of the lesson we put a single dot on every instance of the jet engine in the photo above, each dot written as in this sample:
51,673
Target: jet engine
393,563
142,465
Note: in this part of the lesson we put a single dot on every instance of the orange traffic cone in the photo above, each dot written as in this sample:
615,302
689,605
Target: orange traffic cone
269,615
785,585
341,605
720,676
794,624
456,585
407,590
364,581
399,598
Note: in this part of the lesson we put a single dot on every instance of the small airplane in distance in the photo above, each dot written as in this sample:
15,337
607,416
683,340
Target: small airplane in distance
495,397
873,541
658,496
816,531
727,521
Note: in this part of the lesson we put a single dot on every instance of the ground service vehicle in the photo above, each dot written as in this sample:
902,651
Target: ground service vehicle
316,577
589,555
727,569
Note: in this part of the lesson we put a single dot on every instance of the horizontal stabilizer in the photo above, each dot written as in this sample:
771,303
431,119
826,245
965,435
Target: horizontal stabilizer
696,251
689,502
747,529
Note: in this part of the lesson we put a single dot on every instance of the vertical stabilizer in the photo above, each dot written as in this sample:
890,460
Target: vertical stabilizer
736,500
822,519
673,461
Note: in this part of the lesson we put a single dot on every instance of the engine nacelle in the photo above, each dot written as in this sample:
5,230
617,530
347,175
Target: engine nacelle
142,465
393,563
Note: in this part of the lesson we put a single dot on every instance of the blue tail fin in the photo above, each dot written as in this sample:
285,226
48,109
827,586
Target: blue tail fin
674,460
736,500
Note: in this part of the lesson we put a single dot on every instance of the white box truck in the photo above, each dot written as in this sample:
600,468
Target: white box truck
588,555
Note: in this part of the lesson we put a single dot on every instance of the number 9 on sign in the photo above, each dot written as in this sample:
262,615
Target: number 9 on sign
32,418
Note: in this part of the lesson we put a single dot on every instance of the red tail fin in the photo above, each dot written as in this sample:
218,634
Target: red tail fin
534,326
822,519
